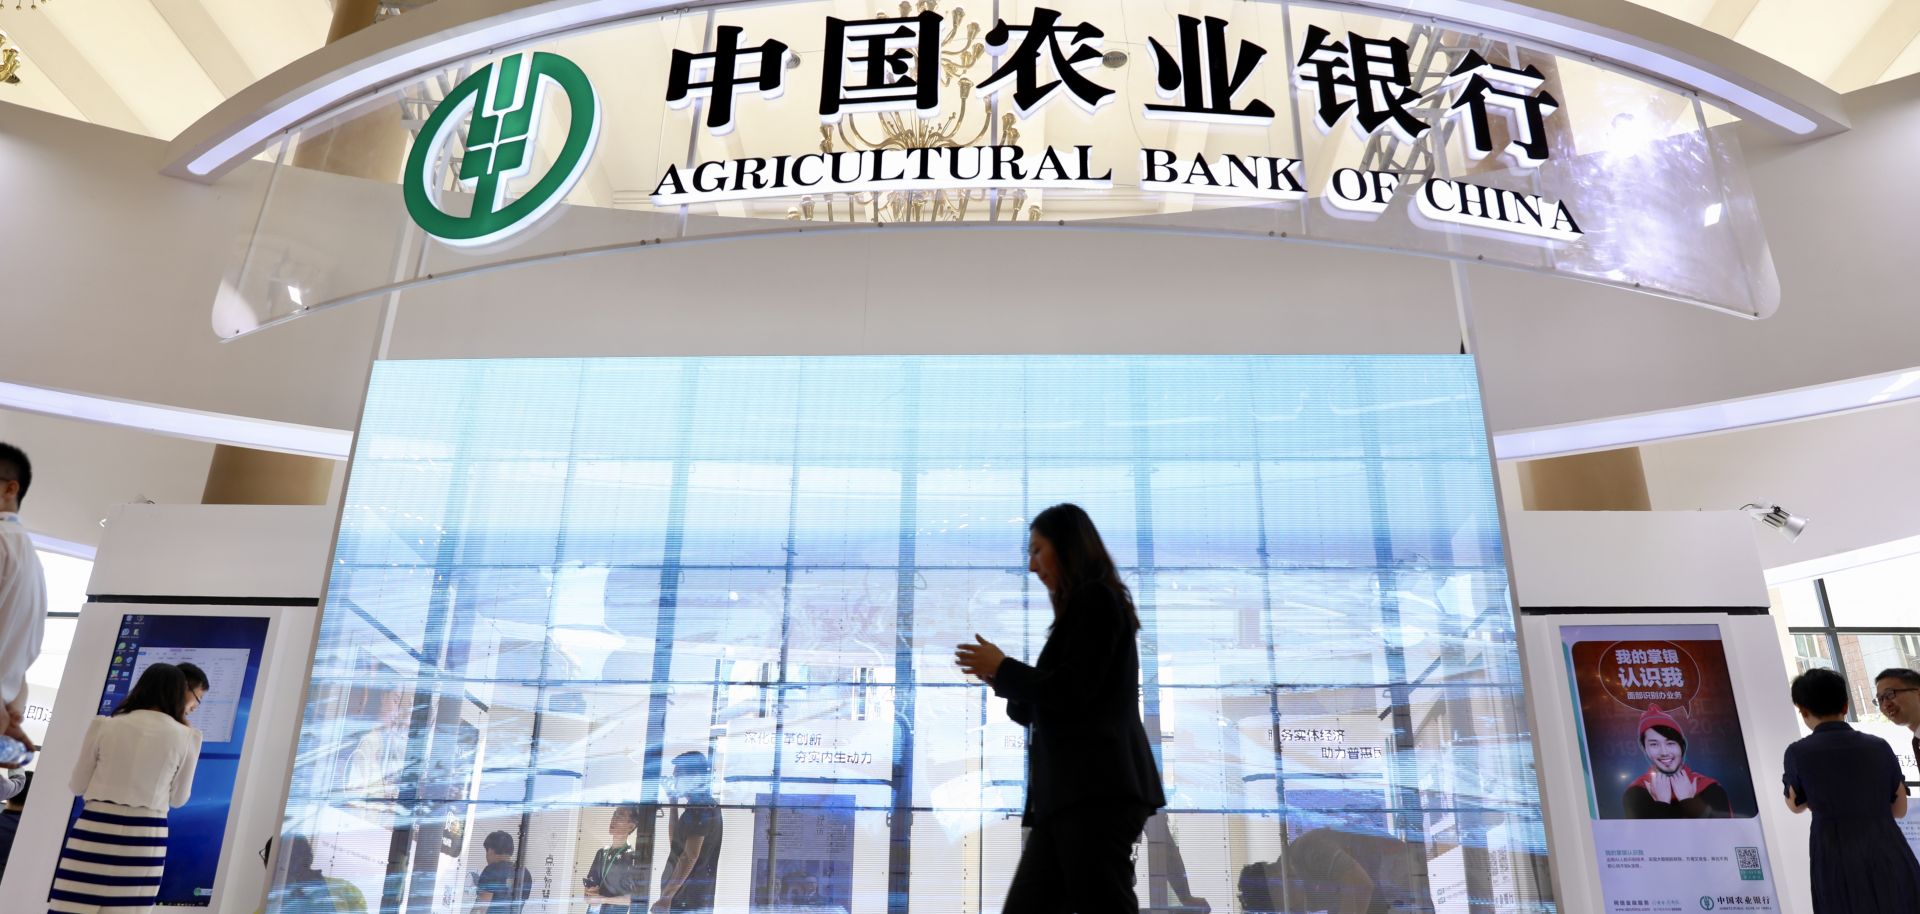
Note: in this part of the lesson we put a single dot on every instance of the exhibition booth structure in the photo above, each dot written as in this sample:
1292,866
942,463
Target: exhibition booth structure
672,621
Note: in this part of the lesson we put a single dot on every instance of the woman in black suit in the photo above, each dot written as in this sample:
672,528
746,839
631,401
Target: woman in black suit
1091,778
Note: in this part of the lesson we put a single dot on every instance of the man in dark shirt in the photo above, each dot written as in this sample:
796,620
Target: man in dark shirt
19,782
504,886
693,836
1669,789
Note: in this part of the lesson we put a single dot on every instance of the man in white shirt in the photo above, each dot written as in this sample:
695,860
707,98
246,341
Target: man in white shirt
1897,692
23,593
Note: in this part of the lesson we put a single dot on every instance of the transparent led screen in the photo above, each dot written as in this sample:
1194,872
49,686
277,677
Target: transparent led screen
592,610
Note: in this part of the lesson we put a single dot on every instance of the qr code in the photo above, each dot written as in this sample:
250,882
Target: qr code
1747,858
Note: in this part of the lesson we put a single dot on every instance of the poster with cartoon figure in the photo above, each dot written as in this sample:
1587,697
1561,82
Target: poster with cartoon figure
1669,787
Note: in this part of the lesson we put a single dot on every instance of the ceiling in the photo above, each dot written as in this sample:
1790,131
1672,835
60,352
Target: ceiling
154,66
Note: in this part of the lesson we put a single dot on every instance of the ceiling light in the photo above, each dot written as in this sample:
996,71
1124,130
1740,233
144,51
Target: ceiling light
1712,215
1789,525
179,422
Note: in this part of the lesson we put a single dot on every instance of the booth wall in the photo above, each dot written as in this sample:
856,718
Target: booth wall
125,312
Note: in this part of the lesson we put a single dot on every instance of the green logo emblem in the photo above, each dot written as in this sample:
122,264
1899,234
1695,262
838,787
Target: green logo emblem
1706,902
505,99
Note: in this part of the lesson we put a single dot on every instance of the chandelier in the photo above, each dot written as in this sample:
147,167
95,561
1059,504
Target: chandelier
967,125
9,60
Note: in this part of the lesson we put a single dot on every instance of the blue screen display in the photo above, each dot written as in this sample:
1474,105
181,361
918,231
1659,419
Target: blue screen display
724,593
228,649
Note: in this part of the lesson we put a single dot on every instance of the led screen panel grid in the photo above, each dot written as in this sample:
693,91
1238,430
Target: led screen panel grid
554,577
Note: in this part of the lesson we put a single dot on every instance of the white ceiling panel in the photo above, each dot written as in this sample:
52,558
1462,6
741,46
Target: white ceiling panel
134,50
35,91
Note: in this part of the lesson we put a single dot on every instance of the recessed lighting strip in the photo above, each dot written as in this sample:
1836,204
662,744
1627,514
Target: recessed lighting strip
1708,418
217,428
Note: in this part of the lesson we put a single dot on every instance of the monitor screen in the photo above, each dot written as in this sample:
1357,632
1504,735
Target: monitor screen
228,649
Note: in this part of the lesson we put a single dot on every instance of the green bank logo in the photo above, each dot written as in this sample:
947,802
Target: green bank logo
505,100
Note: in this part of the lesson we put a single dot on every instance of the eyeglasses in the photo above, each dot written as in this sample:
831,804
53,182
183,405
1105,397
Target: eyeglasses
1889,695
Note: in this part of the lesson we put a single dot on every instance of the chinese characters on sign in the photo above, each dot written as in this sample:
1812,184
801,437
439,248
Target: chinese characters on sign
1204,74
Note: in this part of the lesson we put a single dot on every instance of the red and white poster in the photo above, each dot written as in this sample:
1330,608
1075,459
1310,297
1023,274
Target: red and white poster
1670,793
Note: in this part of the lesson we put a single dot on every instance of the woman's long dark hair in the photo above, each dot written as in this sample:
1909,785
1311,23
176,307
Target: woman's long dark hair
161,688
1082,556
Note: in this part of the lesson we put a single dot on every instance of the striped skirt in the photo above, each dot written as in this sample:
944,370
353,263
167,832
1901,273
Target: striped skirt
112,860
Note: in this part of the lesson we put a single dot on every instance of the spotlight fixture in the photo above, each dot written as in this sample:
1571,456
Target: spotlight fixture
1789,525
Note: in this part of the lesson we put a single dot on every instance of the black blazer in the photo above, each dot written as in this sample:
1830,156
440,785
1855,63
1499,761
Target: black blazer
1081,702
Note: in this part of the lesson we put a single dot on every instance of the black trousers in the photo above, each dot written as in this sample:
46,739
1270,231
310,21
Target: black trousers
1078,861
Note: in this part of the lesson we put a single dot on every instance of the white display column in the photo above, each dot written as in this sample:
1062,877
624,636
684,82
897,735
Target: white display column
1575,572
173,565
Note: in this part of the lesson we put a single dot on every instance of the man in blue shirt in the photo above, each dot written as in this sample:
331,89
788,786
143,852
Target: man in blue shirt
504,886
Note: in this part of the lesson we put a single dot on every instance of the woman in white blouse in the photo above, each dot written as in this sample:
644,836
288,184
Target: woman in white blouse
133,766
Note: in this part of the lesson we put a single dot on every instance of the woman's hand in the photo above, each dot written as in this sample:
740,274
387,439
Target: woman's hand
980,659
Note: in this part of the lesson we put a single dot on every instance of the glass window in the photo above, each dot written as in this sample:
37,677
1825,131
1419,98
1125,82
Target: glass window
1881,595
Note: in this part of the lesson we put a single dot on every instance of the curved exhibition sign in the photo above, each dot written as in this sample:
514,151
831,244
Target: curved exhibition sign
1330,123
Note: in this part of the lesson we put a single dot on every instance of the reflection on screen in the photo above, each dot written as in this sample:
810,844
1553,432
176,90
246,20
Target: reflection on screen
556,577
226,669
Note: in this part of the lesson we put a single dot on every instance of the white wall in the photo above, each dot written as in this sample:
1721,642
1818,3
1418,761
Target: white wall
1840,214
1659,559
81,470
110,272
915,292
1852,475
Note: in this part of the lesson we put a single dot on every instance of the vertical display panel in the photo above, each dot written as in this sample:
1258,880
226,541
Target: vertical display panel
724,594
1671,798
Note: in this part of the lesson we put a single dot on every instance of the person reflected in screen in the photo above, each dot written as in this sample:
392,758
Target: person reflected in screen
197,684
613,875
1160,832
1860,861
381,751
1091,778
1669,789
800,888
1339,872
504,886
308,890
693,838
133,765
